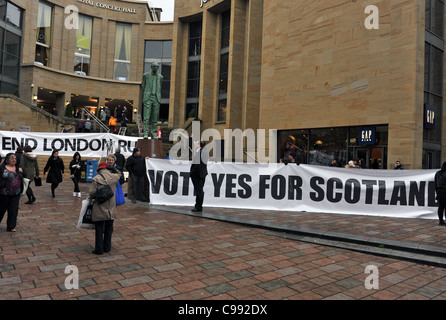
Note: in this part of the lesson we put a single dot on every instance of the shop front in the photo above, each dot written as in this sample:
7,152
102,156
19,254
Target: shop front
321,146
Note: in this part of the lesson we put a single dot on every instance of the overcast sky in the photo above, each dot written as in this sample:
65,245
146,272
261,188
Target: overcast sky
166,5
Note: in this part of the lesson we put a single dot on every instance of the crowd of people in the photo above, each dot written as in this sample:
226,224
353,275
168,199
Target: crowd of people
20,169
119,117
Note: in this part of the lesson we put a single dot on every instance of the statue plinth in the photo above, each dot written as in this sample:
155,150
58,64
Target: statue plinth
152,148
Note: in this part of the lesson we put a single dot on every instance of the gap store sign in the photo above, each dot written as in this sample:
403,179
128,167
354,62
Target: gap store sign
429,116
367,135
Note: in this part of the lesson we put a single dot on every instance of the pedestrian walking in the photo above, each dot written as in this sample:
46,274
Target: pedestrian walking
198,173
30,167
104,214
75,173
112,124
55,168
107,114
11,186
18,154
88,126
440,189
136,166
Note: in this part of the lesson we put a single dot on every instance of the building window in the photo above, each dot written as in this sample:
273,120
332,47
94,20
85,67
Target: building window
224,66
433,92
160,51
195,39
435,17
43,38
123,45
10,46
323,145
193,71
11,14
82,55
433,84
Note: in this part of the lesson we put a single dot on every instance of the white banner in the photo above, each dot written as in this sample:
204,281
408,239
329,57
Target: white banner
87,144
392,193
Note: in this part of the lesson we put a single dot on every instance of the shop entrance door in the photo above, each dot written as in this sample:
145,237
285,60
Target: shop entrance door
363,154
374,157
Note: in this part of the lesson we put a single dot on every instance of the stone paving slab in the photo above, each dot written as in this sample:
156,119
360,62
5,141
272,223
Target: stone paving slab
165,254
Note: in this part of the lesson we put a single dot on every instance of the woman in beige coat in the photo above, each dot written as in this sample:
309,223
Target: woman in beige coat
103,214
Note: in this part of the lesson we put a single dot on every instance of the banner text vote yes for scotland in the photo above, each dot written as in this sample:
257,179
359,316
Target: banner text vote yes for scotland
393,193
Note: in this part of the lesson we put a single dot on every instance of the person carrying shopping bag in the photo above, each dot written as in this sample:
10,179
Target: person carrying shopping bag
104,213
30,168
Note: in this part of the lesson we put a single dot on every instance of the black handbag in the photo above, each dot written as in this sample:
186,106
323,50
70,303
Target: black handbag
105,193
37,181
87,216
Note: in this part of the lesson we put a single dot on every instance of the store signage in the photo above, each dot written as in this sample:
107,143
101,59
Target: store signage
367,135
203,2
429,116
107,6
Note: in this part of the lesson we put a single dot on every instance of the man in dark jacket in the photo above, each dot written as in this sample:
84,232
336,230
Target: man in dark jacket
440,190
136,166
120,162
198,173
120,159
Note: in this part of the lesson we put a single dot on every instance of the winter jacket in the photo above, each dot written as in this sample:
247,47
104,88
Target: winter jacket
75,166
30,166
56,169
440,185
106,210
136,165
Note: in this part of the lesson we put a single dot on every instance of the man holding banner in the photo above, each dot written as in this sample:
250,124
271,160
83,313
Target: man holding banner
198,173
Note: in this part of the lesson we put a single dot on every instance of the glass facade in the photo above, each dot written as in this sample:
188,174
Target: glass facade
433,84
160,51
323,145
82,55
10,46
43,36
224,66
123,46
193,70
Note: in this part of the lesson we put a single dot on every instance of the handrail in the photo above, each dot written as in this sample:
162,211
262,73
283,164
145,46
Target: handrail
140,125
96,119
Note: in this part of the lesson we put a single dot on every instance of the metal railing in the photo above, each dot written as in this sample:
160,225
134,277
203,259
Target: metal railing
96,119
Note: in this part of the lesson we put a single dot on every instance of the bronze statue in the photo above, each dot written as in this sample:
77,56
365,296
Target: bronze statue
151,89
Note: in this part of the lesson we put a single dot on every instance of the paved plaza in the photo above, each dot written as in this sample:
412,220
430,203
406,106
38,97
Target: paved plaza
168,253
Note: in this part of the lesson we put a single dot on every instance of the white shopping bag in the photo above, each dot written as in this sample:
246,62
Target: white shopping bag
85,204
25,186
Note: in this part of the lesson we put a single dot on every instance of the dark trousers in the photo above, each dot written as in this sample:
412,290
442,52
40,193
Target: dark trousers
199,192
76,184
103,236
138,183
54,187
441,209
29,192
10,204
